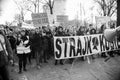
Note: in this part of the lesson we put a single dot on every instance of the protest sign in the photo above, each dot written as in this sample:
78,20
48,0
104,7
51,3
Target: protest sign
62,18
102,20
40,19
77,46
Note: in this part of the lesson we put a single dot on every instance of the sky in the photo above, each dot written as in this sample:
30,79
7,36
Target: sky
75,6
9,9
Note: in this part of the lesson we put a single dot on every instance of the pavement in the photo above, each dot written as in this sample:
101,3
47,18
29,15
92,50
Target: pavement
95,69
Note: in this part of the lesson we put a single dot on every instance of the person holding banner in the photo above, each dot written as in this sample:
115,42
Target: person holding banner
59,33
81,32
102,28
93,31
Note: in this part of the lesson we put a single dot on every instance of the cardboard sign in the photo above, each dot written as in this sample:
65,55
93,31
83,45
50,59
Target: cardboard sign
78,46
62,18
40,19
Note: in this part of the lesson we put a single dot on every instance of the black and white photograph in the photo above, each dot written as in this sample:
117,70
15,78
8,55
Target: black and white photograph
59,39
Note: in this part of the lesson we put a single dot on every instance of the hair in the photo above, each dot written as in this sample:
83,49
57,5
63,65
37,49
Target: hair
93,30
102,27
60,27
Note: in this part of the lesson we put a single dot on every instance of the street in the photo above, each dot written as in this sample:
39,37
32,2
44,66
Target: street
97,69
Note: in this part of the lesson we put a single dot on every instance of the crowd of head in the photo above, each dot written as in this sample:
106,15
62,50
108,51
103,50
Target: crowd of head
81,30
38,43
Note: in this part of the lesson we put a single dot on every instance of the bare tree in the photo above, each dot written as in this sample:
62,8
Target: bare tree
32,6
22,8
49,3
107,7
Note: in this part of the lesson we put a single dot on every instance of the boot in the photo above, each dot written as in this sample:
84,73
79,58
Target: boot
55,62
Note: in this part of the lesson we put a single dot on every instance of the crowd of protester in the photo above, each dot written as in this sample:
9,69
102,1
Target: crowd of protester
38,44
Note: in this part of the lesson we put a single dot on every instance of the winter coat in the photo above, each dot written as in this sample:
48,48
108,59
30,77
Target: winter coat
6,52
23,45
12,41
36,42
59,34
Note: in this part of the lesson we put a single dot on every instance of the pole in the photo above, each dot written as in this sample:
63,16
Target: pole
118,12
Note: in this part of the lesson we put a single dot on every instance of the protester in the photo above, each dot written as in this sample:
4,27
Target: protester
30,54
103,27
45,43
59,33
81,32
23,48
12,39
6,55
95,42
31,38
50,52
37,45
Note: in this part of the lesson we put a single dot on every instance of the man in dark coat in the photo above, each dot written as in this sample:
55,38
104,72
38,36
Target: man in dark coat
36,44
59,33
31,37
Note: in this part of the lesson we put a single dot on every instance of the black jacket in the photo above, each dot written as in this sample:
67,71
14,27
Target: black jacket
36,42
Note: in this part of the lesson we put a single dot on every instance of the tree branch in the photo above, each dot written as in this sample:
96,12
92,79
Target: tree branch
111,4
28,9
17,5
99,12
31,1
42,2
46,1
106,7
113,11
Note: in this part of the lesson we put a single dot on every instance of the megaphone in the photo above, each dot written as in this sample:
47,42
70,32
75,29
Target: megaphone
110,34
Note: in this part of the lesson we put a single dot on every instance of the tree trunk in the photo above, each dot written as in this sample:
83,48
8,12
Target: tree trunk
118,12
38,6
35,8
51,10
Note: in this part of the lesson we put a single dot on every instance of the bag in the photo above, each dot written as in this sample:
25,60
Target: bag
3,57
